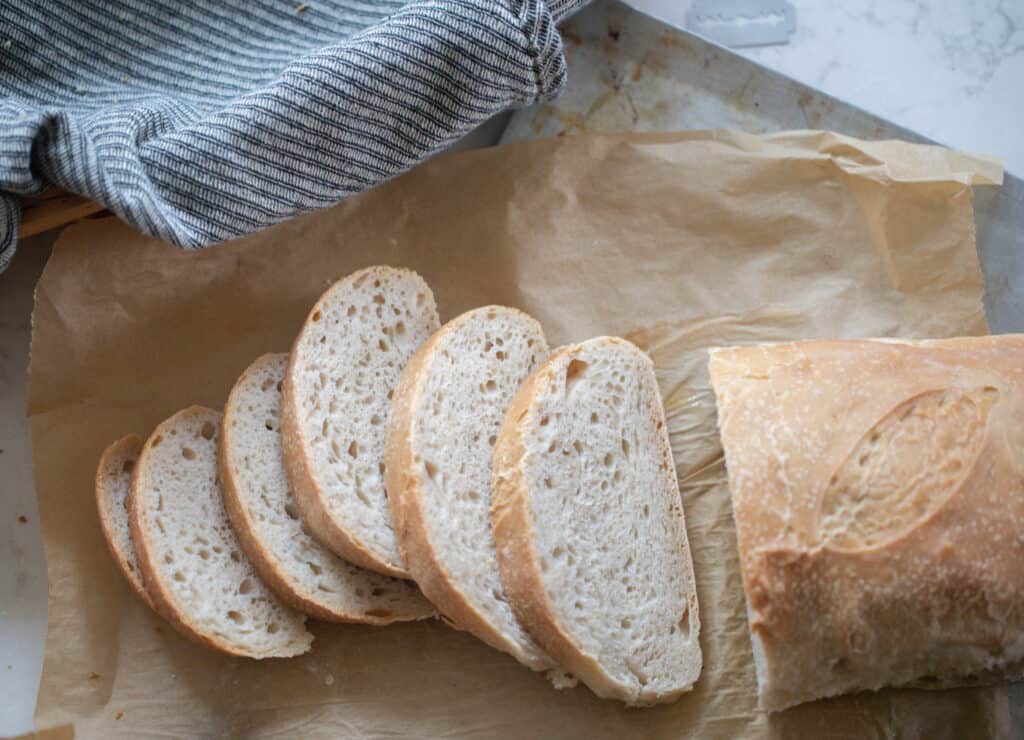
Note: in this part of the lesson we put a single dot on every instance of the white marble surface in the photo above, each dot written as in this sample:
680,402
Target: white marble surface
952,70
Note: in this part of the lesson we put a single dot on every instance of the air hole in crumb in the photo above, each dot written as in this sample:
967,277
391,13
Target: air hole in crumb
625,623
179,576
236,617
578,446
558,552
376,283
500,356
188,453
608,460
351,311
236,556
492,440
279,384
625,447
578,606
647,511
420,298
544,421
209,429
490,386
265,385
383,345
473,495
400,328
316,569
431,469
353,449
378,298
168,558
269,425
156,440
593,417
573,373
272,628
684,623
380,468
529,342
245,586
128,466
360,593
317,316
552,446
375,420
547,483
204,554
390,394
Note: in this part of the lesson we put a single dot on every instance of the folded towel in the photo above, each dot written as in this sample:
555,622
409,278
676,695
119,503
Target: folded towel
198,122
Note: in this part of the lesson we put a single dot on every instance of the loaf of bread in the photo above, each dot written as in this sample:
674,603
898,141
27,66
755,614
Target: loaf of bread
589,526
447,413
341,375
303,573
191,561
878,491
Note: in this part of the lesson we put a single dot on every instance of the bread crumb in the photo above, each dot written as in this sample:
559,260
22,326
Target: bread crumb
301,7
329,679
94,675
118,714
23,519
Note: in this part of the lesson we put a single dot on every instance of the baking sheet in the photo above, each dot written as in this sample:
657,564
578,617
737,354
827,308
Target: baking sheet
630,72
676,240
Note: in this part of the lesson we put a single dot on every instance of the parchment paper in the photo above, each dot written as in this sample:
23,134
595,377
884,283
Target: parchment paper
680,241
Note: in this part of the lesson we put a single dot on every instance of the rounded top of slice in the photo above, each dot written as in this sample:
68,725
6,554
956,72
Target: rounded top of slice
447,413
113,485
259,503
589,524
337,394
191,560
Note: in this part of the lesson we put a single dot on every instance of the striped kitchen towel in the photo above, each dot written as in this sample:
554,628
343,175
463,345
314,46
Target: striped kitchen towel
198,122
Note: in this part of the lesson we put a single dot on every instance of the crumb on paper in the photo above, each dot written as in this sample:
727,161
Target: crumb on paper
302,7
93,675
328,679
22,519
118,714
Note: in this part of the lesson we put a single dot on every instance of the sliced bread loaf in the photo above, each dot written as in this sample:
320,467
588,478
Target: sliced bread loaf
337,393
589,524
446,416
303,573
113,484
191,561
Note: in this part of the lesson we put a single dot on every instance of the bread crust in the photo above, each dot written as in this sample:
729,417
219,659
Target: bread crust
309,497
514,533
267,566
878,485
406,501
112,458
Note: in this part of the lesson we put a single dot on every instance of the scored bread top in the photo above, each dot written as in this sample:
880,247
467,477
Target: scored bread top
877,484
447,413
341,376
303,573
192,563
589,524
113,485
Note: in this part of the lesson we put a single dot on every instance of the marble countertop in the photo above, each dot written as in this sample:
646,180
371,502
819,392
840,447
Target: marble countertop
950,70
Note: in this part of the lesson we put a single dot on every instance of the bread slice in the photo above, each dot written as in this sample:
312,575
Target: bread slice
191,561
337,393
113,484
302,572
446,416
589,524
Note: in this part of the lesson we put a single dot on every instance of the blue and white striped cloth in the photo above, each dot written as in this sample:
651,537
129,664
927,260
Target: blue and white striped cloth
198,122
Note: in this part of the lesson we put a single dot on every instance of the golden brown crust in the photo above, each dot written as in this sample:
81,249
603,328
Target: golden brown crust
878,486
140,527
405,499
127,447
310,500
